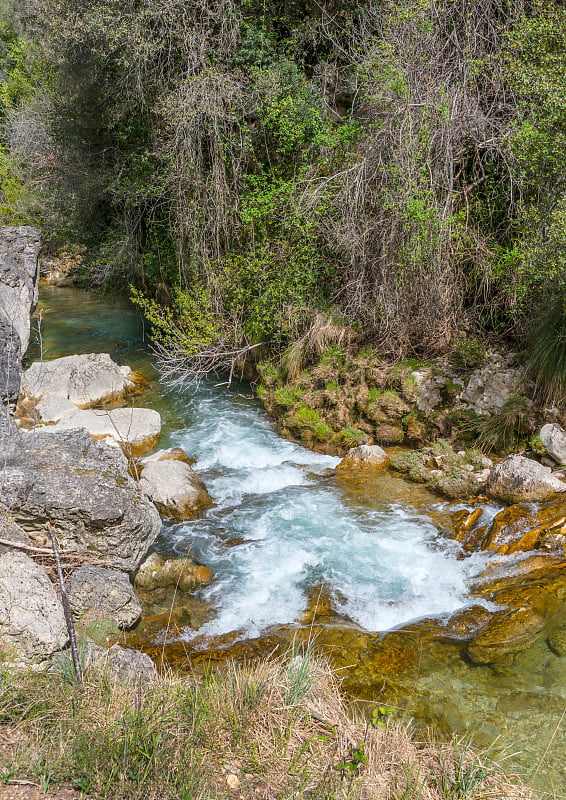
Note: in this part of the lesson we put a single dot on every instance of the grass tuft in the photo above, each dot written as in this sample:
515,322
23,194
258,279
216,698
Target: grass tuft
277,729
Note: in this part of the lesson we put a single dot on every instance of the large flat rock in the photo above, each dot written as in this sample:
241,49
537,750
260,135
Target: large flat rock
136,430
85,380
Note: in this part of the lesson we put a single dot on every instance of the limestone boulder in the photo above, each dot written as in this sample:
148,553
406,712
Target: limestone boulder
53,408
175,488
136,430
85,490
181,573
365,456
19,274
98,593
32,625
553,437
517,479
85,380
490,386
122,663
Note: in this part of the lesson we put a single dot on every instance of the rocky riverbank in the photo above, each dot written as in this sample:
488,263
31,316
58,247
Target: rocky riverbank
70,460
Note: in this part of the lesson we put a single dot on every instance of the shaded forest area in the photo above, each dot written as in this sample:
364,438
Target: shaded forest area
390,173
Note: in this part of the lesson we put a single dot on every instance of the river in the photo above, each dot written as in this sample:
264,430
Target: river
284,528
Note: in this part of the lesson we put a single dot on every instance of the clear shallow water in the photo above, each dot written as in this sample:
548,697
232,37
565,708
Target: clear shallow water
280,525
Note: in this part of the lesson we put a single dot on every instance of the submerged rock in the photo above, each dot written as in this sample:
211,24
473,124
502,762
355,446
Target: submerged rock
364,457
175,488
86,380
517,479
553,436
85,490
19,248
96,592
32,625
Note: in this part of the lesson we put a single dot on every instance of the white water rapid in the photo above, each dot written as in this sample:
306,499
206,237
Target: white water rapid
281,526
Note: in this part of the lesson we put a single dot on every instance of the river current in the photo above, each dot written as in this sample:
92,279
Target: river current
282,524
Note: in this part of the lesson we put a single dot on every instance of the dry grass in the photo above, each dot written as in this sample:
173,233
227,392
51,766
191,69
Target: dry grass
278,729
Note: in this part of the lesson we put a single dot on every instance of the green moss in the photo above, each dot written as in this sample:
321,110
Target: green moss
352,437
469,353
286,396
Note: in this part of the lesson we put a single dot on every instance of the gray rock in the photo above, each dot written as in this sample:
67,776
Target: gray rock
85,490
86,380
553,436
490,386
19,275
123,663
51,408
96,592
11,532
175,488
10,359
136,430
366,456
428,390
517,479
32,625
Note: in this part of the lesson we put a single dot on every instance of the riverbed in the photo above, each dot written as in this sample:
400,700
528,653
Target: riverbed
296,550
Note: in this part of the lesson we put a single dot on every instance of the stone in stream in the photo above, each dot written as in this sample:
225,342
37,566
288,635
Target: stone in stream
553,437
175,488
97,593
517,479
136,430
19,248
32,625
85,490
171,454
365,456
85,380
181,573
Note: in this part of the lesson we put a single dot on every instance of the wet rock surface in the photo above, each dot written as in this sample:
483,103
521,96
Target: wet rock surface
182,573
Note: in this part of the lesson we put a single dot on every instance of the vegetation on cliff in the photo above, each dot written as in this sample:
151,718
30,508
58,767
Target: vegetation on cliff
398,166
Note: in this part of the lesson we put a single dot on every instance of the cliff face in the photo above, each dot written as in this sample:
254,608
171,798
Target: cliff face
19,274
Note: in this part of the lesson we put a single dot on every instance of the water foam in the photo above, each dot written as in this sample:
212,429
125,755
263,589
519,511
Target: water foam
294,532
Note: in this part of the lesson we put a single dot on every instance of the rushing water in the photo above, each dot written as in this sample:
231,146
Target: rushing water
282,524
